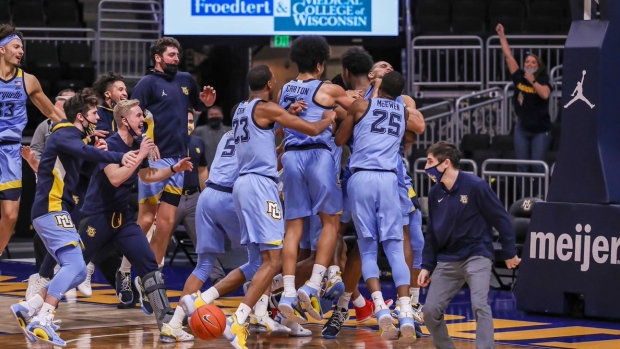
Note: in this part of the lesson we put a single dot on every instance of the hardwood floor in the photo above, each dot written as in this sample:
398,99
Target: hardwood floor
88,326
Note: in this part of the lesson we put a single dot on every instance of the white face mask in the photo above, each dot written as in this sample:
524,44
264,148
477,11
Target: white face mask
530,70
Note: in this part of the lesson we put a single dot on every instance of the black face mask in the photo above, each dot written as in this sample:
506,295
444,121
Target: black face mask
134,134
171,69
214,123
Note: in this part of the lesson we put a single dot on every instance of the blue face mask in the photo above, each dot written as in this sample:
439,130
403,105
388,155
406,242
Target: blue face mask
133,133
434,174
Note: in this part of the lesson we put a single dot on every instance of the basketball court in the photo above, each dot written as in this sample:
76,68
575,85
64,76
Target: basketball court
96,322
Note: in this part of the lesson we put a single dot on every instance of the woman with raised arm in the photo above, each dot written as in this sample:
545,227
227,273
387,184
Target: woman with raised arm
532,134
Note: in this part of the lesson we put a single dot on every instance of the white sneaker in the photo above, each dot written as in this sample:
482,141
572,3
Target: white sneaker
85,288
263,324
35,284
71,296
296,329
171,334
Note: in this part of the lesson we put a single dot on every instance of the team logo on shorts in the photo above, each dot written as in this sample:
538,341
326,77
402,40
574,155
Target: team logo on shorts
185,90
464,199
90,231
76,199
273,210
63,220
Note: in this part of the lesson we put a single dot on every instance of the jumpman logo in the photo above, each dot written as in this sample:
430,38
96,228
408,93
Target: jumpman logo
163,93
578,93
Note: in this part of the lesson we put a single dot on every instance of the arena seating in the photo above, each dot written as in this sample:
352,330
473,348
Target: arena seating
481,16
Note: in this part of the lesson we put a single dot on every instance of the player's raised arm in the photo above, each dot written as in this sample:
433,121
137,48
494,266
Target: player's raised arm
345,130
275,113
40,100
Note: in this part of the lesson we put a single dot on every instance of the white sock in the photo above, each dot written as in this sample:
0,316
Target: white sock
377,298
125,266
318,272
414,292
177,318
35,303
46,309
405,305
289,286
359,301
210,295
242,313
260,309
343,301
277,283
332,271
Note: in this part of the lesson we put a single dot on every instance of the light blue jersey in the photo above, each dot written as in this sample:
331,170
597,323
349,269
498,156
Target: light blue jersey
225,169
294,91
13,118
255,193
255,145
377,136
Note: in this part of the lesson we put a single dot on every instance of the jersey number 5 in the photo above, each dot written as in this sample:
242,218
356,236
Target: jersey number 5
229,148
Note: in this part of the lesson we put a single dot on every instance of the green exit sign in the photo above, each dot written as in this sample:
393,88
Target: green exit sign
281,41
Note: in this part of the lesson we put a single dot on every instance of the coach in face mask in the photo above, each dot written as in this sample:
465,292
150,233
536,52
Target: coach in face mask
212,132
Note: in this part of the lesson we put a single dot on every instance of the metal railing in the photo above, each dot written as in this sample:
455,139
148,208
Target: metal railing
555,76
511,185
439,120
60,35
447,61
480,112
509,112
549,48
126,31
422,183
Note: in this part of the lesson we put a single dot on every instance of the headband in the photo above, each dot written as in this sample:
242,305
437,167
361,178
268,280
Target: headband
8,39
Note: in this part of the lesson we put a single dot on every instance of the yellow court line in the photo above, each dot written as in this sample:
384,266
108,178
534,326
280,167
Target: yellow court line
570,331
608,344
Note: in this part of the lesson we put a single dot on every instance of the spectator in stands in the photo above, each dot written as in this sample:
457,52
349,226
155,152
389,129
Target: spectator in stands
213,131
532,132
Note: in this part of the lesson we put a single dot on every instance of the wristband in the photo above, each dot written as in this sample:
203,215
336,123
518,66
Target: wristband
172,169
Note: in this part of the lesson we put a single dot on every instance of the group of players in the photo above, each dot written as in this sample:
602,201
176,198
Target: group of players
241,198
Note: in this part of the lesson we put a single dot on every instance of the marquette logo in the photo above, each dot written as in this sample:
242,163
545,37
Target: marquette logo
579,248
320,15
232,8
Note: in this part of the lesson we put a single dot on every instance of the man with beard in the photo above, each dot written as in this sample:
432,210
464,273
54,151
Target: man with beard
166,94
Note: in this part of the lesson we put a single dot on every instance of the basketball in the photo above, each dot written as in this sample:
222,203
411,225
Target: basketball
208,322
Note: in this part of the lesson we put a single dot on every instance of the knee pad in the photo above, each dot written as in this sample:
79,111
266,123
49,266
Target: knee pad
204,266
155,289
254,262
170,198
396,257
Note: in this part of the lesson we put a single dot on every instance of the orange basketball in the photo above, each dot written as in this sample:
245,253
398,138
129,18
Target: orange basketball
208,322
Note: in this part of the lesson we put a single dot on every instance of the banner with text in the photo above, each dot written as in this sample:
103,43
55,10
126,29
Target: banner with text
281,17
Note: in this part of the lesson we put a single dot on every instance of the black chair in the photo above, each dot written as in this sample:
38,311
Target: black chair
27,11
185,244
472,142
65,13
77,61
503,143
520,213
43,58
